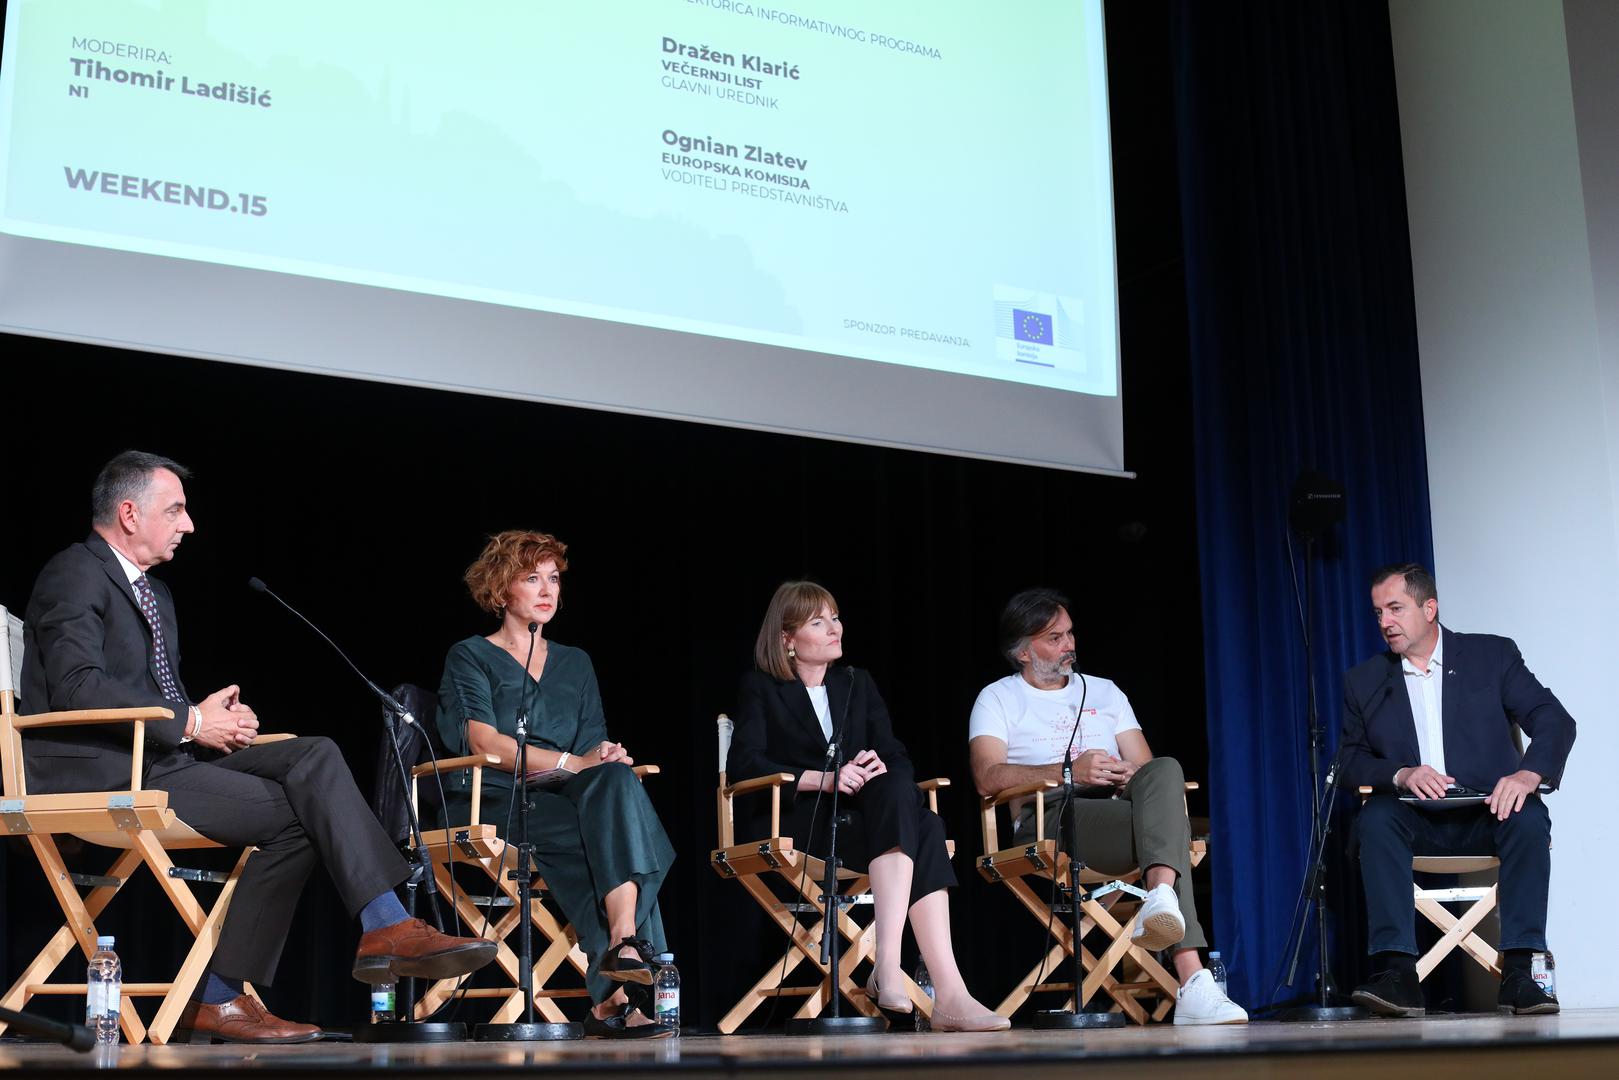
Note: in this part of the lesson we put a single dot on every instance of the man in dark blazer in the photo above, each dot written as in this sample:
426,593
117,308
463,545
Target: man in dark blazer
1442,710
100,633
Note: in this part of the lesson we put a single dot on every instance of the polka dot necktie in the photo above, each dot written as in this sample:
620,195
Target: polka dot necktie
165,674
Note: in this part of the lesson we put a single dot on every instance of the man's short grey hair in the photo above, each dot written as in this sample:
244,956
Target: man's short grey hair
127,476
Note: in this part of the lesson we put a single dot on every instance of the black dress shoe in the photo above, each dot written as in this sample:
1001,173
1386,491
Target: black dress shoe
618,1027
1395,992
637,968
1521,995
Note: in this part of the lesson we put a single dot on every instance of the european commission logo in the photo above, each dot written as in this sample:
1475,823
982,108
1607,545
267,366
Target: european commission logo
1039,329
1031,326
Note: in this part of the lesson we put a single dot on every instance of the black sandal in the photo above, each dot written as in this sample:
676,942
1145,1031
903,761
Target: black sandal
618,1026
636,969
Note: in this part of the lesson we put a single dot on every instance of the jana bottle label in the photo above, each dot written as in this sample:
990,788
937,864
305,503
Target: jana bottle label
667,1000
1545,976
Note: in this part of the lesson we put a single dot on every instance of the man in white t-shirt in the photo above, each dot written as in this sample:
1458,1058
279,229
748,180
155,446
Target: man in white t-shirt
1128,808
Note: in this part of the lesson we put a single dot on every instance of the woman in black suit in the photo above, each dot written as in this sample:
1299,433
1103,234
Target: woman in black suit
787,713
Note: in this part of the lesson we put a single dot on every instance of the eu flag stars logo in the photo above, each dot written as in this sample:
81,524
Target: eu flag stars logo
1031,326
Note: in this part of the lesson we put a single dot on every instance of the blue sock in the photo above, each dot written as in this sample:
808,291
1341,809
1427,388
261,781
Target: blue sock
384,910
217,991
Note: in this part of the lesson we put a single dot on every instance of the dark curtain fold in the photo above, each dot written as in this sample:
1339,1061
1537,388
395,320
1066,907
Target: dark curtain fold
1304,355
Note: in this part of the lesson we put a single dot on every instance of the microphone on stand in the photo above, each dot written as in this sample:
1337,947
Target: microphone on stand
386,698
1079,713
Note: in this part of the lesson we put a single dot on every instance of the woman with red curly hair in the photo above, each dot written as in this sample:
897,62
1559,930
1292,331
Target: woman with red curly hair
597,839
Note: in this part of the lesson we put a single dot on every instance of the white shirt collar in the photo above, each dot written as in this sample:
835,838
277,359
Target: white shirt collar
131,571
1436,662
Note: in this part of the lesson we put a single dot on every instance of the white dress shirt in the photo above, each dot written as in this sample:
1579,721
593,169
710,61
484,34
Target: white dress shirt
1426,688
823,709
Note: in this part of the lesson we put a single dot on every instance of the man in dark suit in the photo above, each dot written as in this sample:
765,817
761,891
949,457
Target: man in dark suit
1440,710
102,634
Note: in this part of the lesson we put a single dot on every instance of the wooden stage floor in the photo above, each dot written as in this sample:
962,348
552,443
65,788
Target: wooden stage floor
1575,1044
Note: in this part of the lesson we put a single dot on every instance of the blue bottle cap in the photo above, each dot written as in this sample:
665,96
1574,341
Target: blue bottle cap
665,958
105,941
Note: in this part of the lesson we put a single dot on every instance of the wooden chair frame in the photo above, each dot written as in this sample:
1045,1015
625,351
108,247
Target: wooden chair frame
753,863
477,844
136,820
1014,866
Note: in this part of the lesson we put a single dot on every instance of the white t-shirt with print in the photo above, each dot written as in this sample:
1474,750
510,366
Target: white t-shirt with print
1035,724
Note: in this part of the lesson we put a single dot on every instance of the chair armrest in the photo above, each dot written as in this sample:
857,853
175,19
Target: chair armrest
935,784
1001,798
91,716
1364,790
644,771
455,764
1193,785
273,736
759,782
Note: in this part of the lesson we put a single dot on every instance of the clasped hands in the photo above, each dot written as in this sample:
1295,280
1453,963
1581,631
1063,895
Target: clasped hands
866,765
606,753
1098,768
227,724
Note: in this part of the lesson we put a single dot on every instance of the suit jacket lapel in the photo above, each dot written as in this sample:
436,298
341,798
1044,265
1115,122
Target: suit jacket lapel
114,570
1450,693
839,685
796,699
165,608
1400,702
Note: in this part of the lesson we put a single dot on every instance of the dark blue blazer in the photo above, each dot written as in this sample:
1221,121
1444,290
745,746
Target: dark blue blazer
1487,692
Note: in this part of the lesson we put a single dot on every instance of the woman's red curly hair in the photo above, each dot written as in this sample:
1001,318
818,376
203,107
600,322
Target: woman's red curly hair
508,556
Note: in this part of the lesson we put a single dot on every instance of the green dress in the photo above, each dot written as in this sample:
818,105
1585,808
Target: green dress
591,835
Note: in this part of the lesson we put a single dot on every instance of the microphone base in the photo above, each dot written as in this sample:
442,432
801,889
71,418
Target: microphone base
837,1025
536,1032
1322,1014
1063,1020
395,1032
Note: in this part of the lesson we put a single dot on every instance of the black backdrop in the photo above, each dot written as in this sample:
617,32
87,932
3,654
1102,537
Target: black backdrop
363,502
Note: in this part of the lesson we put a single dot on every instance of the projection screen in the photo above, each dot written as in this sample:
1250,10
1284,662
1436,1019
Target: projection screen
886,223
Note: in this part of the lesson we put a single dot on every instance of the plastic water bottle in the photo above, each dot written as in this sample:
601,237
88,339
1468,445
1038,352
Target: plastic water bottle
666,992
382,1003
1544,970
924,982
105,986
1217,972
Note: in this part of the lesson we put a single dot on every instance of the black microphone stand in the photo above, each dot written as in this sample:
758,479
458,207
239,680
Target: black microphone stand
527,1029
1320,825
405,1029
73,1036
833,901
1077,1017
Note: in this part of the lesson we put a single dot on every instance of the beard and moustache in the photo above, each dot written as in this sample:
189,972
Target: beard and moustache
1052,670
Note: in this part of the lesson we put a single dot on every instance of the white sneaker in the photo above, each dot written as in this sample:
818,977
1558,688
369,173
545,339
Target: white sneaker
1201,1001
1159,924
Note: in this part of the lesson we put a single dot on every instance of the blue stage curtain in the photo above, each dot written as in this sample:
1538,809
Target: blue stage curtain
1304,355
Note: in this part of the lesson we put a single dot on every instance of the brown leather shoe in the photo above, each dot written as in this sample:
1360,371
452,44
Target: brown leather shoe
412,947
243,1020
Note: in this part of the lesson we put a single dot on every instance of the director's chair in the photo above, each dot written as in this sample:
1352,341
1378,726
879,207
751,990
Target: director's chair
753,864
138,821
1023,867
